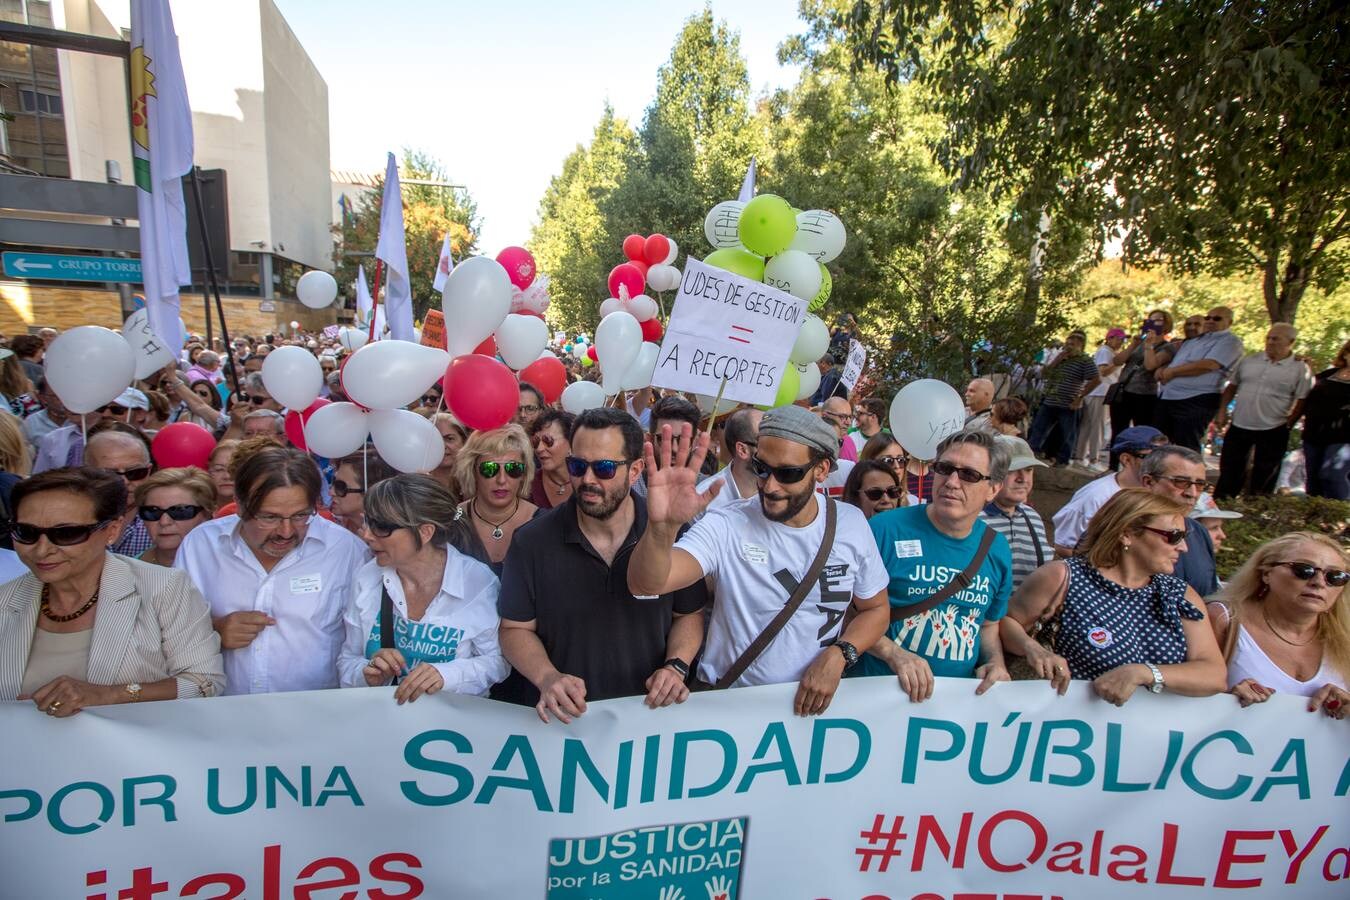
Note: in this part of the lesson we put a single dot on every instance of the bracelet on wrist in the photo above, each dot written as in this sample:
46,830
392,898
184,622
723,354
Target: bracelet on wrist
678,665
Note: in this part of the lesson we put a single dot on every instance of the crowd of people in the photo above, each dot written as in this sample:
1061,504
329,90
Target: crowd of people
655,550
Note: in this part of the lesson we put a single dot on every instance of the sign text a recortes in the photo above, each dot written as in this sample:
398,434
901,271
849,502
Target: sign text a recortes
725,327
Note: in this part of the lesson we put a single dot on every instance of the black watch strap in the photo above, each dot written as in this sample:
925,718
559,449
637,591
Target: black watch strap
678,665
850,653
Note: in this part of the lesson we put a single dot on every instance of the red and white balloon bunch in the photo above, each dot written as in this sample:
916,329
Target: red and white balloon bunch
529,289
649,265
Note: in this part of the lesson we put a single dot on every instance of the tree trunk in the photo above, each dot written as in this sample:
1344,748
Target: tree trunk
1283,291
1031,296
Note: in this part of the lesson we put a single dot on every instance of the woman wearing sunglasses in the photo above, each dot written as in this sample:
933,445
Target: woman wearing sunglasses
494,471
1115,614
873,486
1284,623
552,485
439,605
915,477
355,475
86,627
171,503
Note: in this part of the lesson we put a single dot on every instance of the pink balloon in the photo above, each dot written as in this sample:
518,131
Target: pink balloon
296,421
629,277
182,444
481,392
519,266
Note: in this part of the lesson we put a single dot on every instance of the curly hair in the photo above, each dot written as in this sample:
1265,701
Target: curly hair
483,445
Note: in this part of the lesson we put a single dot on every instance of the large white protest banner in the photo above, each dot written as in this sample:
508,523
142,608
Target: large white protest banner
1019,793
723,326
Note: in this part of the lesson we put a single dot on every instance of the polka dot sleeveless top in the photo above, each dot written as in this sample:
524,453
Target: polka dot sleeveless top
1104,625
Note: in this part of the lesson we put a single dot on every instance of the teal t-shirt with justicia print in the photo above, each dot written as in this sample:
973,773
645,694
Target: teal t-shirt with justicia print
419,642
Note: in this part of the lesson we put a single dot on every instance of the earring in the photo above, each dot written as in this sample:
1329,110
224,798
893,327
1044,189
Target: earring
1127,548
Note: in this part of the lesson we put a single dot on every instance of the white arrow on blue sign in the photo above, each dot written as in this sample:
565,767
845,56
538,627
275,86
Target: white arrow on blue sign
71,267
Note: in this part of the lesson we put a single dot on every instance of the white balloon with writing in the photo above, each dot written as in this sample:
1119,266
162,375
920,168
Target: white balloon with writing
820,234
795,272
808,380
925,412
151,353
722,226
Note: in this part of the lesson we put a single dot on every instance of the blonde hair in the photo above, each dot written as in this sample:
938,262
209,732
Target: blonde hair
483,445
193,480
1248,587
1126,512
14,456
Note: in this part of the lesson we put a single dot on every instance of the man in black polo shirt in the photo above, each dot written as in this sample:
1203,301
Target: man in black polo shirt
570,628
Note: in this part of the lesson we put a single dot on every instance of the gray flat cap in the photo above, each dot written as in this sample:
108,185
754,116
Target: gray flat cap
801,426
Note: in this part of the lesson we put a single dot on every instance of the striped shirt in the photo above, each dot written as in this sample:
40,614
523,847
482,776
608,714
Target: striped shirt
1064,382
1024,530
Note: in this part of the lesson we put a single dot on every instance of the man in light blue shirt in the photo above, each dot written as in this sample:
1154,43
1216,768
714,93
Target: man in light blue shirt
1192,383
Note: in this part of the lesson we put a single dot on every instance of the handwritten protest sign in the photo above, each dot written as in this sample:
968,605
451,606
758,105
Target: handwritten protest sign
433,329
857,361
723,326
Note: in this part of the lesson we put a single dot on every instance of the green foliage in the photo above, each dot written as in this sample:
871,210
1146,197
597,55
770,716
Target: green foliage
429,213
1209,136
1271,516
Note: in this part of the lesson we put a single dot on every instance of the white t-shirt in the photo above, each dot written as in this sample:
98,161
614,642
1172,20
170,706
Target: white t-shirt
833,485
729,494
1104,357
1072,519
753,565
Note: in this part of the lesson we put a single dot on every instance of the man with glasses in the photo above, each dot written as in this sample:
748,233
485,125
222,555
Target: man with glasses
757,553
1011,514
276,576
530,406
1190,394
741,436
838,414
868,416
926,549
1132,446
65,445
570,627
1179,472
129,458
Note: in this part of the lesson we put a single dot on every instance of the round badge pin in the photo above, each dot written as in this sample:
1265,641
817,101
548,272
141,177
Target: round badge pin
1099,637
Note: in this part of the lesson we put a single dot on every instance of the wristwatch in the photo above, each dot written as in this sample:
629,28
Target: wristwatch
850,653
1157,686
678,665
134,689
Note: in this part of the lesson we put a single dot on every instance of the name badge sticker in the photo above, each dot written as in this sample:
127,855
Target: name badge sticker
306,584
754,553
908,549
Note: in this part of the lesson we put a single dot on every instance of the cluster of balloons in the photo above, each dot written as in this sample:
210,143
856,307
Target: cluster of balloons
529,289
650,263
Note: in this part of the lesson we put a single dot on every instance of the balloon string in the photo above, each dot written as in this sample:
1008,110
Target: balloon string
84,430
365,472
712,416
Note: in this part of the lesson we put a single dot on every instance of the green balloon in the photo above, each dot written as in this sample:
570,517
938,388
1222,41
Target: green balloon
768,225
826,285
788,387
737,261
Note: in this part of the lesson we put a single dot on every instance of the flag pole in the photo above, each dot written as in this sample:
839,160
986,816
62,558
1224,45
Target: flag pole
215,285
375,297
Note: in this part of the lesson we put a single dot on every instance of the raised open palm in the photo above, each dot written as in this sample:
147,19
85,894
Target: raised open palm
672,467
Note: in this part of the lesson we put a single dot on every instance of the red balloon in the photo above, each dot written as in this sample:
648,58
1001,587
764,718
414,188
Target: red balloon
548,374
633,247
652,330
641,267
590,351
480,391
182,444
296,421
656,249
629,277
519,266
488,347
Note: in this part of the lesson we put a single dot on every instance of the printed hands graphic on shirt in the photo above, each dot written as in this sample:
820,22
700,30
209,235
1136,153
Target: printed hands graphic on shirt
719,888
671,892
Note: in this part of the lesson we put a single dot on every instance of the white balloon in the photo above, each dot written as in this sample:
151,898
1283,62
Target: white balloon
336,430
795,272
722,226
673,254
520,339
612,305
639,374
476,298
580,396
808,380
293,376
641,307
617,341
316,289
405,440
390,374
705,403
812,341
88,366
820,234
353,338
663,278
925,412
150,352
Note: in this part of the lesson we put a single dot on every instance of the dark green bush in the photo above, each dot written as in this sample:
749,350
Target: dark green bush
1269,517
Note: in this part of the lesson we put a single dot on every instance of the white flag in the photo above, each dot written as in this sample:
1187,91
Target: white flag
444,265
363,301
393,249
748,185
161,127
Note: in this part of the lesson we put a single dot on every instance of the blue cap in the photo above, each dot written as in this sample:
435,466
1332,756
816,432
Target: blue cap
1138,437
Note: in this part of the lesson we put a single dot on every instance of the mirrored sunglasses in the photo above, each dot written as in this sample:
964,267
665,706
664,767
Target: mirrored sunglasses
489,468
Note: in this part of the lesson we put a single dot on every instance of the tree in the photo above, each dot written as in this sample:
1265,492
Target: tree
1209,136
430,212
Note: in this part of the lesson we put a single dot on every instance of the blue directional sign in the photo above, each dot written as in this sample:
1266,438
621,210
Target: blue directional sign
63,267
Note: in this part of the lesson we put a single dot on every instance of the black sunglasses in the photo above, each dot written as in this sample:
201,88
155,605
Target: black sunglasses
342,488
112,409
604,469
547,440
1214,318
60,535
134,474
1172,537
179,513
781,474
893,461
1305,571
965,473
875,494
489,468
381,529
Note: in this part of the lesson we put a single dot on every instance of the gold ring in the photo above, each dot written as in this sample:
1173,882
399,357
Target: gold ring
56,704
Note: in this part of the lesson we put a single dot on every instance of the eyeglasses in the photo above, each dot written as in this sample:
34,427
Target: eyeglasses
272,520
247,398
604,469
781,474
875,494
60,535
342,488
1171,537
1305,572
1214,319
136,473
965,473
1182,482
836,418
430,399
489,468
528,408
112,409
547,440
895,462
179,513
